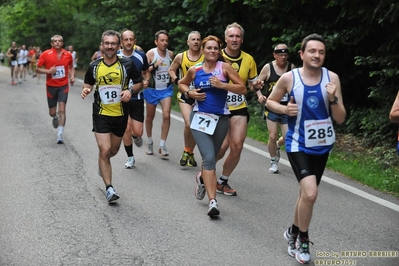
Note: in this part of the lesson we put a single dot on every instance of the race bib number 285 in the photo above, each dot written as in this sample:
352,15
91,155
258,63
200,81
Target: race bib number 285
319,133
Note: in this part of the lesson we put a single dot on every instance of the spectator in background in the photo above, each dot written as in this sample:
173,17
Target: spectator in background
2,55
75,58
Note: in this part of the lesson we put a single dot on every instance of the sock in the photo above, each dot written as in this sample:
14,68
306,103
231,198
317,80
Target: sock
222,179
188,150
162,143
60,130
129,150
108,186
303,234
294,230
149,140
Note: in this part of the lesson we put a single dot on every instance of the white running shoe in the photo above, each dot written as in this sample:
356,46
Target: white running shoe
138,141
60,139
273,167
302,254
130,162
163,152
199,190
213,208
150,150
112,195
290,238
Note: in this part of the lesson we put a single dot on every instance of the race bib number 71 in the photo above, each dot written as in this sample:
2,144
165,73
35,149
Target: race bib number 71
204,122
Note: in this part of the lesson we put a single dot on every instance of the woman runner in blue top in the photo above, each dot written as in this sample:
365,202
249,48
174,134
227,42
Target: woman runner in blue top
212,78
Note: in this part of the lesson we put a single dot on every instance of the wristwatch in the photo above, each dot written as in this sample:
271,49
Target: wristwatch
335,101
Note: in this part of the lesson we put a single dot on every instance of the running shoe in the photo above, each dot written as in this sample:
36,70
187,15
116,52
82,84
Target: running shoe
149,150
290,238
277,153
199,190
302,254
55,121
60,139
213,208
138,141
13,83
163,152
112,195
273,167
130,162
225,189
191,160
184,158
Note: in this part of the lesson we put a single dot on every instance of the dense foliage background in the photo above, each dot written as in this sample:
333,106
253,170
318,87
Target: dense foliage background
362,37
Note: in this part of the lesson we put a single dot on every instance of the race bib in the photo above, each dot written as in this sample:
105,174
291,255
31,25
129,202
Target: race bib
319,133
234,99
162,79
204,122
59,73
110,94
14,63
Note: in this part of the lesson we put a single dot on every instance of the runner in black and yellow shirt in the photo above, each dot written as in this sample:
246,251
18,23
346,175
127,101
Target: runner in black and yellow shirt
245,65
110,77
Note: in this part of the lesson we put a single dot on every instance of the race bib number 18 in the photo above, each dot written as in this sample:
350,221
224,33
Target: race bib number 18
204,122
110,94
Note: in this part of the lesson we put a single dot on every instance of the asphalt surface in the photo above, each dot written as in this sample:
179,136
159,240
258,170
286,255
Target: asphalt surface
54,211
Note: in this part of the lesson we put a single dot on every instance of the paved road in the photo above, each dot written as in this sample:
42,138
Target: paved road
54,212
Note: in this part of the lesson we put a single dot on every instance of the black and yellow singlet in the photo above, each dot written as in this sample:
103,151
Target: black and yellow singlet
109,81
246,68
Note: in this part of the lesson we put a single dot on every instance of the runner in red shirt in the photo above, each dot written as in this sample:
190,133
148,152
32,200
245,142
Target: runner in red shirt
57,64
31,53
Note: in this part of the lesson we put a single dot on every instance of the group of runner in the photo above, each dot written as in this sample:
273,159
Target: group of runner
212,84
22,61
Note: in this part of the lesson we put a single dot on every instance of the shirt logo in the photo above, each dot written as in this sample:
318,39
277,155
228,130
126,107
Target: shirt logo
312,102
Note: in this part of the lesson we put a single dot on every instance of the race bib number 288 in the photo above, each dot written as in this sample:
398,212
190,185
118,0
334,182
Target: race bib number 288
204,122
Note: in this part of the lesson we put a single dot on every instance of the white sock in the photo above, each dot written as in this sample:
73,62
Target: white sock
162,143
222,179
60,130
149,140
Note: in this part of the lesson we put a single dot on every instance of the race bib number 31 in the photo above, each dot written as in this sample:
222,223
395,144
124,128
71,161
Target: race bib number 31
319,133
59,73
204,122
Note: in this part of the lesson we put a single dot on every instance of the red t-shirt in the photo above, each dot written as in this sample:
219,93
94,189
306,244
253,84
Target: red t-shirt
48,59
